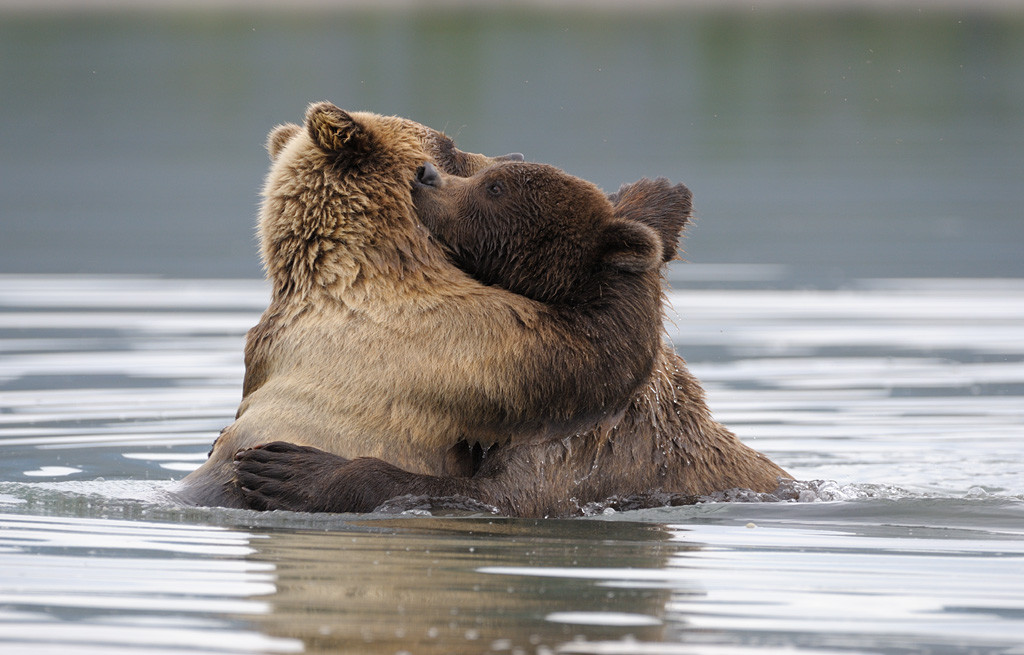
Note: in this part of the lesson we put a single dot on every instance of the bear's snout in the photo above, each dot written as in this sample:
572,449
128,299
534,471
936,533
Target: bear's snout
427,175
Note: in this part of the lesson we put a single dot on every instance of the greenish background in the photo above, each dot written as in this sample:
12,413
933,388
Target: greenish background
833,143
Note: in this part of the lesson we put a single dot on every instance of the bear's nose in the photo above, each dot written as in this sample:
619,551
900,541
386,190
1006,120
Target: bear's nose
512,156
427,175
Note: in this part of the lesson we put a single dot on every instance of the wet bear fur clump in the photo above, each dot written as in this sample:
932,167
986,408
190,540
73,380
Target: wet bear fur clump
376,345
539,233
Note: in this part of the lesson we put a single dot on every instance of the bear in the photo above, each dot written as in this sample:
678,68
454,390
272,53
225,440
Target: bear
665,448
375,344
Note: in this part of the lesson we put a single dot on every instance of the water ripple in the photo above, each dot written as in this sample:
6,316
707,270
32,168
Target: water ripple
897,403
112,585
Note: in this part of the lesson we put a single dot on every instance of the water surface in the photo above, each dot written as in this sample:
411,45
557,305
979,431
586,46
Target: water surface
898,402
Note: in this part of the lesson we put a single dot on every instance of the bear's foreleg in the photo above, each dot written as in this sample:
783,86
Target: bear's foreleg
286,476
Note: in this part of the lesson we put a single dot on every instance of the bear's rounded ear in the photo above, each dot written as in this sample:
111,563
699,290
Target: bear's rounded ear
279,137
631,246
333,129
659,204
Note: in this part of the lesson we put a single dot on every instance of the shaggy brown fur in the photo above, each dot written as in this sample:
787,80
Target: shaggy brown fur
376,345
513,225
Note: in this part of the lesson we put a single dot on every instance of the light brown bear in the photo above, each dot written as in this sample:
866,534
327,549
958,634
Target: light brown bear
376,345
524,227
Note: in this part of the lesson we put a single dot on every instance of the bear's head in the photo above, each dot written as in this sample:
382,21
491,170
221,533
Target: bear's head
337,203
440,148
537,231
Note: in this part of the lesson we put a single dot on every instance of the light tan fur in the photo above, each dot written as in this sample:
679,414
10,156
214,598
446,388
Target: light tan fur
374,344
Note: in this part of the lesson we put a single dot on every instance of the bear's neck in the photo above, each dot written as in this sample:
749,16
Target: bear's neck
375,265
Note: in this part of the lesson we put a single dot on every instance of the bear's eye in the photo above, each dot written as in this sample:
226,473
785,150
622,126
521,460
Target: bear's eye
495,189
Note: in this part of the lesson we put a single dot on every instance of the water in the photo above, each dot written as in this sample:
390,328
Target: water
854,304
898,402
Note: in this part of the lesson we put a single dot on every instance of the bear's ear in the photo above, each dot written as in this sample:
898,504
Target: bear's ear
630,246
335,130
279,137
662,206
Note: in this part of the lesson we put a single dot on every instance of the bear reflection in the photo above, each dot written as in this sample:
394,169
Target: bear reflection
438,586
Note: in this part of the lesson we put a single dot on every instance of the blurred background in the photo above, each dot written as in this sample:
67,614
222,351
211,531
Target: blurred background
821,143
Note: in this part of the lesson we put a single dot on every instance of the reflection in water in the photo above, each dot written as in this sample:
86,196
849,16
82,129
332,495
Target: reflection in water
371,586
425,586
816,577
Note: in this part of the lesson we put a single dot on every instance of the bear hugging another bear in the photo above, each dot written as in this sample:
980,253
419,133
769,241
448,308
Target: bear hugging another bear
448,324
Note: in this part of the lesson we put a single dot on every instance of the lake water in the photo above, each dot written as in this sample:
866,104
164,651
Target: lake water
898,402
854,304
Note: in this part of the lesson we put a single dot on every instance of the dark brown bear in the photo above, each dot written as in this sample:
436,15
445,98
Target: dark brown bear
517,226
376,345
